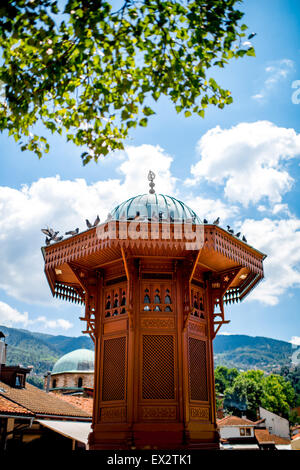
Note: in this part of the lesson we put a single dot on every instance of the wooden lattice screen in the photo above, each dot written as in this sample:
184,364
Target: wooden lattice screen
158,367
198,370
114,369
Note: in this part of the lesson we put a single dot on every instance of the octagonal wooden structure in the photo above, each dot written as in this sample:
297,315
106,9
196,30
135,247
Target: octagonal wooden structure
153,305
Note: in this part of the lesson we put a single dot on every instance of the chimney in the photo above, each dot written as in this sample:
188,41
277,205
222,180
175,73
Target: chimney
48,376
2,351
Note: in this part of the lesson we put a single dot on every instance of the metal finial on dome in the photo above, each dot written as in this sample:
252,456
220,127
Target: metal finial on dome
151,177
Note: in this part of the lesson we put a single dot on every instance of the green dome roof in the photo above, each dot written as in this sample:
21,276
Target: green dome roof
80,360
150,206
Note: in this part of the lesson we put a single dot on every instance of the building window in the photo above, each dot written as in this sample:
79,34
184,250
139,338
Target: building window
19,381
54,383
245,432
79,383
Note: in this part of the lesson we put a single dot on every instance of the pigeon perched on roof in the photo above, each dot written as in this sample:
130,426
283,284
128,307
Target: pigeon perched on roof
238,234
49,232
96,222
230,230
217,221
205,221
72,232
56,238
244,239
47,241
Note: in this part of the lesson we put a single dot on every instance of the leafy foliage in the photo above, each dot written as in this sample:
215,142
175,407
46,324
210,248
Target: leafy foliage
92,72
293,376
224,378
279,395
253,388
245,394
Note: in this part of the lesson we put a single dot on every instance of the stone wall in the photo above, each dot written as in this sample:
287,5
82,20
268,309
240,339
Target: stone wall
71,380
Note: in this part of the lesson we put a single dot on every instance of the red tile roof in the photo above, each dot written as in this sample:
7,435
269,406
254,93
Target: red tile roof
280,440
234,421
8,407
263,436
41,403
83,403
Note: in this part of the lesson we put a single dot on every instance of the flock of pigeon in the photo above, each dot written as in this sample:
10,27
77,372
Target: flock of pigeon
52,236
229,229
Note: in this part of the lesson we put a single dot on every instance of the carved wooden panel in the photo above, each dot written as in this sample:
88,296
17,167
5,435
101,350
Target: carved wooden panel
114,369
115,300
158,374
112,327
113,414
199,413
158,323
157,297
197,370
158,413
198,302
197,328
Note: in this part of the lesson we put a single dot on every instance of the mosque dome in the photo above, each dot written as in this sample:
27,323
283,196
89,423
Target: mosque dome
80,360
155,206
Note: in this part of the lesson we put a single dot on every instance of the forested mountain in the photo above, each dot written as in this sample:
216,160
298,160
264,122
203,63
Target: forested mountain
252,352
38,349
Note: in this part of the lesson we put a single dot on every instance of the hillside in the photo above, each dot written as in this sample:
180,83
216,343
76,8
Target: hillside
240,351
252,352
38,349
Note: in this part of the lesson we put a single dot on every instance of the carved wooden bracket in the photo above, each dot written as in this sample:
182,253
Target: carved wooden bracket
88,282
191,275
219,285
129,307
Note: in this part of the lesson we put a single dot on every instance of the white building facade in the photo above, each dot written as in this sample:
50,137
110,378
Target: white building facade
275,424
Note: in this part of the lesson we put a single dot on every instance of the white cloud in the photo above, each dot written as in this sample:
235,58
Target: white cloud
210,209
64,205
248,159
295,340
280,241
54,324
276,72
11,317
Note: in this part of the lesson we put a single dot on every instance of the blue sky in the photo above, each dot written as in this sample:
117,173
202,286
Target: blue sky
241,163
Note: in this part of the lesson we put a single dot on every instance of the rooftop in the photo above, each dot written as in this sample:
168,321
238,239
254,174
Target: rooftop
40,403
235,421
158,207
80,360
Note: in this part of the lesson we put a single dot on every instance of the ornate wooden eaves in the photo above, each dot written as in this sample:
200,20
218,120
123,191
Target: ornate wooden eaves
216,250
96,246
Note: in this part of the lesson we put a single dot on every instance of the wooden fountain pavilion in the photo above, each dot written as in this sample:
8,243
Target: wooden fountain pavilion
154,280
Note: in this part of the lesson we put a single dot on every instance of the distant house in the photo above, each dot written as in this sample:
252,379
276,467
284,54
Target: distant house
275,424
242,433
235,429
295,444
32,418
